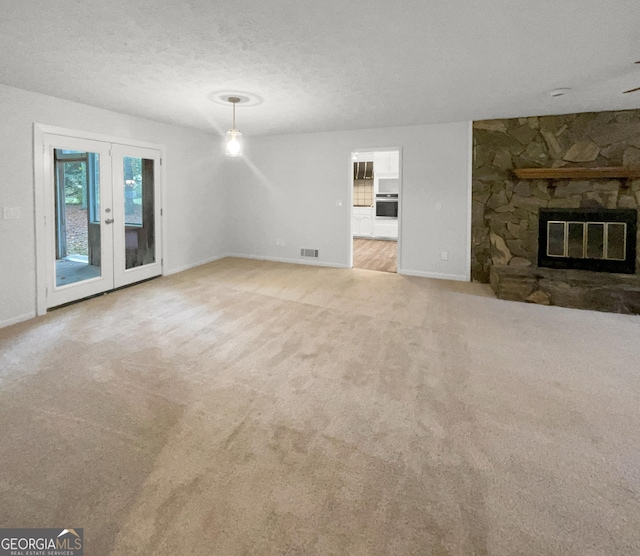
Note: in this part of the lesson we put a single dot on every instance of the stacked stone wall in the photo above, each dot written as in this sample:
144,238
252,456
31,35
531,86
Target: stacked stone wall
505,209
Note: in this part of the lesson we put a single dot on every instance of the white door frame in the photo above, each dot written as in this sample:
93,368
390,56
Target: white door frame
39,168
400,197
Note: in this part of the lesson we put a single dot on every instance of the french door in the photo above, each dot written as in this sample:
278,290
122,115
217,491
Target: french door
102,216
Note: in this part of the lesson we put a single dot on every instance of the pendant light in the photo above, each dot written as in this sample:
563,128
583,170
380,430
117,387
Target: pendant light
233,145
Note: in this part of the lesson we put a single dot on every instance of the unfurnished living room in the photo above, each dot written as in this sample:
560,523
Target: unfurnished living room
195,354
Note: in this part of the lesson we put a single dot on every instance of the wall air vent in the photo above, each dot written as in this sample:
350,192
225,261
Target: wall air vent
309,253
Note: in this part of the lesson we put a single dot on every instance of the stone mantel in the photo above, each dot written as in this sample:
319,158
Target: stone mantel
577,173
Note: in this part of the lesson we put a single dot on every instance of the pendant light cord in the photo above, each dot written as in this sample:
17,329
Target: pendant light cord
234,101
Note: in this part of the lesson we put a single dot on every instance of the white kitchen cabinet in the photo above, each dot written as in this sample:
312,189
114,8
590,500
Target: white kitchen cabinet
386,164
366,225
362,221
384,228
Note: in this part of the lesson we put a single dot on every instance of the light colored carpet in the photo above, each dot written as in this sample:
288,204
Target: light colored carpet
248,407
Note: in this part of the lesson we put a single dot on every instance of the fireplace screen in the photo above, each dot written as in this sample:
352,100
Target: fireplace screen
602,240
590,240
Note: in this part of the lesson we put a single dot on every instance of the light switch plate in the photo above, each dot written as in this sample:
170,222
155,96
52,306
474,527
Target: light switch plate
11,213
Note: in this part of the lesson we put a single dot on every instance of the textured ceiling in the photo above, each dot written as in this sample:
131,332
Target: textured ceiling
325,65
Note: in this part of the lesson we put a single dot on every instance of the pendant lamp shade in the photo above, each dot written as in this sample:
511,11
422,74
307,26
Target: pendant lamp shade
233,142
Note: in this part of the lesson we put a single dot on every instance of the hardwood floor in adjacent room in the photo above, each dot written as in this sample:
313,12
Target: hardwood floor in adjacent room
375,254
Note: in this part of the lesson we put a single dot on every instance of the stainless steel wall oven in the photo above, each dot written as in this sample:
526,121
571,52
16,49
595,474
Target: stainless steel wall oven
387,205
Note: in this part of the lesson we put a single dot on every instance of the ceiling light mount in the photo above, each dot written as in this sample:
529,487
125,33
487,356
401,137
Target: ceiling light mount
246,99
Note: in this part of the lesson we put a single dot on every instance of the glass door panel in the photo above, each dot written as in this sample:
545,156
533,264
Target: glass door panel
78,250
77,225
139,217
137,214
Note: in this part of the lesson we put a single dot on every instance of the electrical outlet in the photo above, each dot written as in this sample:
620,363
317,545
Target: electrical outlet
280,242
11,213
438,205
445,256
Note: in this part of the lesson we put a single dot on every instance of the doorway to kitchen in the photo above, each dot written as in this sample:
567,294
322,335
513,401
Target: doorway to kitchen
375,186
98,213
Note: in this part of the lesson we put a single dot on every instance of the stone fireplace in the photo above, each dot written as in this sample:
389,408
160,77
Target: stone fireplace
555,209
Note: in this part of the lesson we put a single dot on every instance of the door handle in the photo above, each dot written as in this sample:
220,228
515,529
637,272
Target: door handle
109,221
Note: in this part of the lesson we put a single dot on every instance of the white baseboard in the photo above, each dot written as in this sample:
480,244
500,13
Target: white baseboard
199,263
16,320
438,275
289,261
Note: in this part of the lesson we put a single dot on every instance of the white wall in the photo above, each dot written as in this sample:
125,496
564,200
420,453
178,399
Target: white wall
286,187
195,214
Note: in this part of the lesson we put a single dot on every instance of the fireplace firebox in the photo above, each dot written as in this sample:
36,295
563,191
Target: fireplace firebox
602,240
